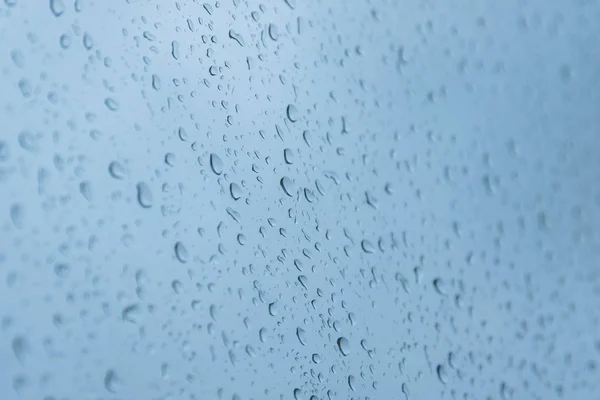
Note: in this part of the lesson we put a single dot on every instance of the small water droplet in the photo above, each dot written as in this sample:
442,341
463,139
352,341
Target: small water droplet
111,104
116,170
442,373
85,188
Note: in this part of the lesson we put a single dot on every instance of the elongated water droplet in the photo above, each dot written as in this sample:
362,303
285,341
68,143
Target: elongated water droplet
292,113
216,164
181,252
288,186
343,345
144,195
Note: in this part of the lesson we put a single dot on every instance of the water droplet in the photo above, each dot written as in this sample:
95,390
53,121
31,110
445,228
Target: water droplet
352,382
131,313
288,156
288,186
111,104
57,7
442,373
273,309
367,246
116,170
62,270
235,190
309,195
85,188
273,31
241,239
440,286
21,348
181,252
111,381
237,37
175,49
316,358
17,215
88,42
65,41
156,82
301,334
291,3
144,195
343,345
292,113
216,164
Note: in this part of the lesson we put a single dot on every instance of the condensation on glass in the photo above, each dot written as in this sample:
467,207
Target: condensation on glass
299,199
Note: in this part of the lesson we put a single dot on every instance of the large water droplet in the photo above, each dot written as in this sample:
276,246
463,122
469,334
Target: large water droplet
216,164
343,345
288,186
57,7
181,252
144,195
301,334
292,113
235,190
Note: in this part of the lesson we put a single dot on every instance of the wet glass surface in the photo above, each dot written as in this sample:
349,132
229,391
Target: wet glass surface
299,200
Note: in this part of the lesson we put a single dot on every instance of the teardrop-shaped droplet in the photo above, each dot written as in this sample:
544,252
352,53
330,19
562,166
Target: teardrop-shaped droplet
216,164
288,186
343,345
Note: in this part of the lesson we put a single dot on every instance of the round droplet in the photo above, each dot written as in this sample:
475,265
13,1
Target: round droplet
343,345
288,156
288,186
292,113
116,170
181,252
235,190
144,195
216,164
316,358
170,159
